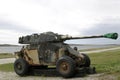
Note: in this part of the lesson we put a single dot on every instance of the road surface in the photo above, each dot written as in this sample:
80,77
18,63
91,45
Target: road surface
101,50
7,60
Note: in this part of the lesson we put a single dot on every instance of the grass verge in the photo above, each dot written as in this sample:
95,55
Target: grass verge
6,55
7,67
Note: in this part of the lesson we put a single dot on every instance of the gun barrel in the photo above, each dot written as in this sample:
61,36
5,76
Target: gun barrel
86,37
108,35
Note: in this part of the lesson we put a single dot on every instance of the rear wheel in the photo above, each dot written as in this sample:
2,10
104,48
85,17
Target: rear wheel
87,61
66,66
21,67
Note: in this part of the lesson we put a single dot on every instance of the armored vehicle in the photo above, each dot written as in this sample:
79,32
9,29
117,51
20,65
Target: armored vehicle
48,49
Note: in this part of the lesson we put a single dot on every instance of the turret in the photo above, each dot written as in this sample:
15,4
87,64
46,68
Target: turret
54,37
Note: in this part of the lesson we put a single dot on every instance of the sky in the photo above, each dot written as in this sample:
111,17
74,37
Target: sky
73,17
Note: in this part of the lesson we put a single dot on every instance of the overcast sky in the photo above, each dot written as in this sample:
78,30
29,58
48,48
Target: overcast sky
73,17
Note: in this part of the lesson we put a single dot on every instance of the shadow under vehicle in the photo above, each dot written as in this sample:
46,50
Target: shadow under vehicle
48,49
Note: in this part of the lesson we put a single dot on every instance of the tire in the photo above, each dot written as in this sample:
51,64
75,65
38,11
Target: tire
21,67
66,66
87,61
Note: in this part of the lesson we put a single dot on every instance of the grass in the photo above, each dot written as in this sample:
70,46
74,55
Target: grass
107,62
7,67
6,55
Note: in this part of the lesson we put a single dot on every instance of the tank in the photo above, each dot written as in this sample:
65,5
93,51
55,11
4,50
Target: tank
48,49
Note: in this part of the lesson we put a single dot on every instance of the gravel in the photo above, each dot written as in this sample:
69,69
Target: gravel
14,76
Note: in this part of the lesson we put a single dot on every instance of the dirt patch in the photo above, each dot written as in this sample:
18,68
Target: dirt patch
14,76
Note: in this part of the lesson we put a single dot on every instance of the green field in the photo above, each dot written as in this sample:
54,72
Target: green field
107,62
6,55
7,67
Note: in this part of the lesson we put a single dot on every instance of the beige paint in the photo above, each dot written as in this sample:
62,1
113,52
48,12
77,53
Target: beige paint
33,54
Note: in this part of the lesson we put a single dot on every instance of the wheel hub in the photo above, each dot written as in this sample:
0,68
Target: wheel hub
64,67
19,66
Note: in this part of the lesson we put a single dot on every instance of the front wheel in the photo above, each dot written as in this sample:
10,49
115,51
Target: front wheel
21,67
66,66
